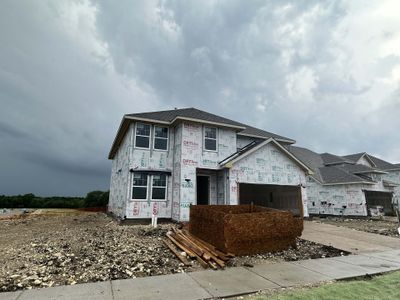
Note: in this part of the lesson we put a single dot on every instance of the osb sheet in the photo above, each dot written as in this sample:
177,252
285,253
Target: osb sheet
245,229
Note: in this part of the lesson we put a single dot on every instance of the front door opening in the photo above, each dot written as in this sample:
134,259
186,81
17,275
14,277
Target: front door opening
203,190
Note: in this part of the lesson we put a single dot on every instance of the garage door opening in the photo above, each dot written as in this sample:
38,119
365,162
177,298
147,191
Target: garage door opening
284,197
384,199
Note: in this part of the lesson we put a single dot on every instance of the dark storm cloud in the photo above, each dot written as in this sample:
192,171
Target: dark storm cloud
323,72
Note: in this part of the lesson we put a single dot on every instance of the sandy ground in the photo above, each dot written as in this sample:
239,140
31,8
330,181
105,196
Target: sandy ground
384,226
59,247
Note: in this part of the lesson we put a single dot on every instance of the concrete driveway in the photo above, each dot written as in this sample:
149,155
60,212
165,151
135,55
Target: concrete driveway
347,239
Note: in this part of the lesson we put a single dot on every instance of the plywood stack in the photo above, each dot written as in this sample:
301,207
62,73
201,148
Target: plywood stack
207,255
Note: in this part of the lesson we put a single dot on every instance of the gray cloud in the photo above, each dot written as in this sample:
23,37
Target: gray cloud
321,72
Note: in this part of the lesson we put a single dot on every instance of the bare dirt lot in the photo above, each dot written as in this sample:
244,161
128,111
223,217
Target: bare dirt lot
50,248
384,226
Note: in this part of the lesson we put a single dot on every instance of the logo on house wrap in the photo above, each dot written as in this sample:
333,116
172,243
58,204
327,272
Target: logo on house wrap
136,209
189,162
191,128
187,184
190,145
155,208
208,162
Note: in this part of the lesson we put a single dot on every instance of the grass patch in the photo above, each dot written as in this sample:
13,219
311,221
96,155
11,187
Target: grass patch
380,287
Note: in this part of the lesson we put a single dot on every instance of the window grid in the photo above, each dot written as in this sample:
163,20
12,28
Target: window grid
160,138
140,184
155,186
142,134
210,138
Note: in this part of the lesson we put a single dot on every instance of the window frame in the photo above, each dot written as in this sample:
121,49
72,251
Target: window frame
165,187
204,138
149,136
149,188
141,186
154,137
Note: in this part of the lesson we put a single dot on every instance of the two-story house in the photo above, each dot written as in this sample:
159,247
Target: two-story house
349,185
164,161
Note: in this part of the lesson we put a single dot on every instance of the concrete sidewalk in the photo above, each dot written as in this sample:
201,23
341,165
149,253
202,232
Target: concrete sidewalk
227,283
348,239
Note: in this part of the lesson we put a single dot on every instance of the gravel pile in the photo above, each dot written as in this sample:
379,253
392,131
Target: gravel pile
44,251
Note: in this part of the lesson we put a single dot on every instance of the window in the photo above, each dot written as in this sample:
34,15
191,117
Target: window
159,187
160,138
210,138
142,139
141,183
139,190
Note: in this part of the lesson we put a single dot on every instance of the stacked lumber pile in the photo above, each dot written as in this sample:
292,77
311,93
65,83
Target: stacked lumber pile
207,255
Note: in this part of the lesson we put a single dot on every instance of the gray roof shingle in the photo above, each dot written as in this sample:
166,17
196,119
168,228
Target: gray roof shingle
354,157
330,173
382,164
194,113
311,159
331,159
334,174
379,163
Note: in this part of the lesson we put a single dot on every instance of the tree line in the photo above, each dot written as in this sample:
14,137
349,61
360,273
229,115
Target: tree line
92,199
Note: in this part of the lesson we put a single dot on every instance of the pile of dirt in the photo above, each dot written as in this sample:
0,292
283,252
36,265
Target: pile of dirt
383,225
44,251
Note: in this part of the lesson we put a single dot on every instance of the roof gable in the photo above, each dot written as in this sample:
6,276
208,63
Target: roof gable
228,162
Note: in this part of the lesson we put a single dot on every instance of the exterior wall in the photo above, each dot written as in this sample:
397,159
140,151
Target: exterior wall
348,199
120,177
221,186
150,159
331,199
268,165
394,176
242,141
193,157
176,173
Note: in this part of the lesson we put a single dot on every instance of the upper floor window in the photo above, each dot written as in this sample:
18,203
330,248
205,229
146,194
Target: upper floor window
160,138
142,139
210,138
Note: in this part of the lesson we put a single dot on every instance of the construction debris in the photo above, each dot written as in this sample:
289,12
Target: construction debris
45,251
64,249
205,254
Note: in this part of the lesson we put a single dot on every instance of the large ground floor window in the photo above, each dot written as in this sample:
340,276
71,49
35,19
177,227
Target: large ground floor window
149,186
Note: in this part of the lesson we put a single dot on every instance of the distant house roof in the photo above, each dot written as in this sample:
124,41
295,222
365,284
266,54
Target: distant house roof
329,169
331,159
354,157
379,163
169,117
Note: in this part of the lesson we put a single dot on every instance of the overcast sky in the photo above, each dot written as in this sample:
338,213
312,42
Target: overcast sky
325,73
